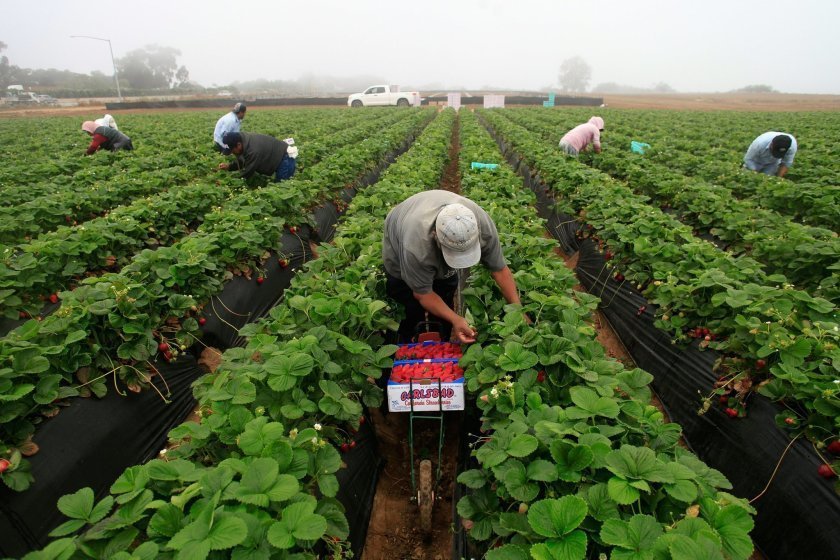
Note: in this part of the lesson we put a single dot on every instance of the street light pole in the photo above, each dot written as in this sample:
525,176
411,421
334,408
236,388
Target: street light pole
116,76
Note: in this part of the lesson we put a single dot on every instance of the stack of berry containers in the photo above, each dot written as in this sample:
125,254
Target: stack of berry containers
426,377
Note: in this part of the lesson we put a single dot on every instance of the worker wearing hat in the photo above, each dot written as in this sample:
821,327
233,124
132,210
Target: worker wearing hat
260,153
105,138
428,238
230,122
771,153
580,137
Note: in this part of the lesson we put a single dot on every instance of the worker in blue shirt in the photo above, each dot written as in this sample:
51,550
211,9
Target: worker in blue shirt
771,153
231,122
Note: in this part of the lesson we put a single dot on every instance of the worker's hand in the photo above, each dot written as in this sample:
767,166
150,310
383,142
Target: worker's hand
527,318
463,331
224,166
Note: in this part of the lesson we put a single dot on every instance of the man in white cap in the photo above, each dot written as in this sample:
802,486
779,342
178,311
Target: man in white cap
428,237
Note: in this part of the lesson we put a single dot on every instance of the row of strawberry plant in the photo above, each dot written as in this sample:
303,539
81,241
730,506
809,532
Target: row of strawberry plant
147,170
48,264
696,152
575,463
725,137
803,254
813,203
774,338
255,477
109,324
48,152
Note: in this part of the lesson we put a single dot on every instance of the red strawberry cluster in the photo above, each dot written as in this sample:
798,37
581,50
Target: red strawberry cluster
425,351
447,372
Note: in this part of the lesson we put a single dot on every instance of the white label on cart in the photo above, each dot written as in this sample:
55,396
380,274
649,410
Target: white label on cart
427,398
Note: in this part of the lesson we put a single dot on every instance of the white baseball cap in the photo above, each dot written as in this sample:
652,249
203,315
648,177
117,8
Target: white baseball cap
457,232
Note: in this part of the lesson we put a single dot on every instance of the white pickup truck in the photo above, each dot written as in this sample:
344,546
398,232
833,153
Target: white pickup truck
384,95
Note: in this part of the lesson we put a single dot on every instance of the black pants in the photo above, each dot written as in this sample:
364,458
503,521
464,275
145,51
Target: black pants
414,312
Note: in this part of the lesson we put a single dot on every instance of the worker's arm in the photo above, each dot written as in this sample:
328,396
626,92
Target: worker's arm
432,303
782,170
504,279
95,144
596,141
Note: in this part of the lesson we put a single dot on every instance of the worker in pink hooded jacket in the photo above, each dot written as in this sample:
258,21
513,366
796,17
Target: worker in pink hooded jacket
579,138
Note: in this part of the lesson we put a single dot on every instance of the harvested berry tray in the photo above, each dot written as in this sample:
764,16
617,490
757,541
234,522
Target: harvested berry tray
426,385
429,350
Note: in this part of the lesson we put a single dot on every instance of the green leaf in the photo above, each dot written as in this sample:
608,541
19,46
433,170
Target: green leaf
637,535
298,521
517,358
508,552
570,459
591,404
570,547
522,445
473,478
733,524
554,518
226,532
77,505
621,491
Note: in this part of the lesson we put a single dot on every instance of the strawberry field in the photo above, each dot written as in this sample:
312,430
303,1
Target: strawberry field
118,269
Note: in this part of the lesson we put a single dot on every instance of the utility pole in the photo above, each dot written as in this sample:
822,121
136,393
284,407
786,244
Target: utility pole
113,62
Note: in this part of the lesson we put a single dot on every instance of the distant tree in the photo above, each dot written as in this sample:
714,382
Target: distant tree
662,87
7,71
756,88
575,74
182,77
152,67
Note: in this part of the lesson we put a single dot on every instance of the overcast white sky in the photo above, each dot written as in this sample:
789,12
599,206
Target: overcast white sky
693,45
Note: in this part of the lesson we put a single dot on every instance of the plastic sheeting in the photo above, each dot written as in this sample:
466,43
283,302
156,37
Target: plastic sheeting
357,485
90,443
799,515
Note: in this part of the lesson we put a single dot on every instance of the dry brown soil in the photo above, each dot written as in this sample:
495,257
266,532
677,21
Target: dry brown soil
726,102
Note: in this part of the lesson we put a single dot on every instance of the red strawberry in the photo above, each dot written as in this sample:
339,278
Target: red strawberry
53,298
608,255
619,277
283,263
759,364
834,447
293,229
4,465
353,444
826,471
541,377
167,355
790,421
641,310
731,412
362,420
724,400
260,279
163,347
202,321
345,447
22,315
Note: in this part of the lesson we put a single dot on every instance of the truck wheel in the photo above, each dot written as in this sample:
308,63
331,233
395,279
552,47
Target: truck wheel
402,102
357,103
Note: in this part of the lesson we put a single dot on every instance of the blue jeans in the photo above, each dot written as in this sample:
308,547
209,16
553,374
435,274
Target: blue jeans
285,170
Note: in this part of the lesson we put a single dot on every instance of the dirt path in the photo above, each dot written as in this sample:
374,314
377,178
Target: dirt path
393,531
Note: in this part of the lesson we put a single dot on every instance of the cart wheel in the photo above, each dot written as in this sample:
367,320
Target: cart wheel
425,497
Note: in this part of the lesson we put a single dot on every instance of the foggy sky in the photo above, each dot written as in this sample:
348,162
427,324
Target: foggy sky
711,45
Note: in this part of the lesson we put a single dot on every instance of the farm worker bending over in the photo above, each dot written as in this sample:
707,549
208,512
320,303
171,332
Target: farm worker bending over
577,139
428,237
231,122
106,137
771,153
260,153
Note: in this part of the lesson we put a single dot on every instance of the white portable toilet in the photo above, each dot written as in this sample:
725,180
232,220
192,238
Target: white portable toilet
494,101
453,100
